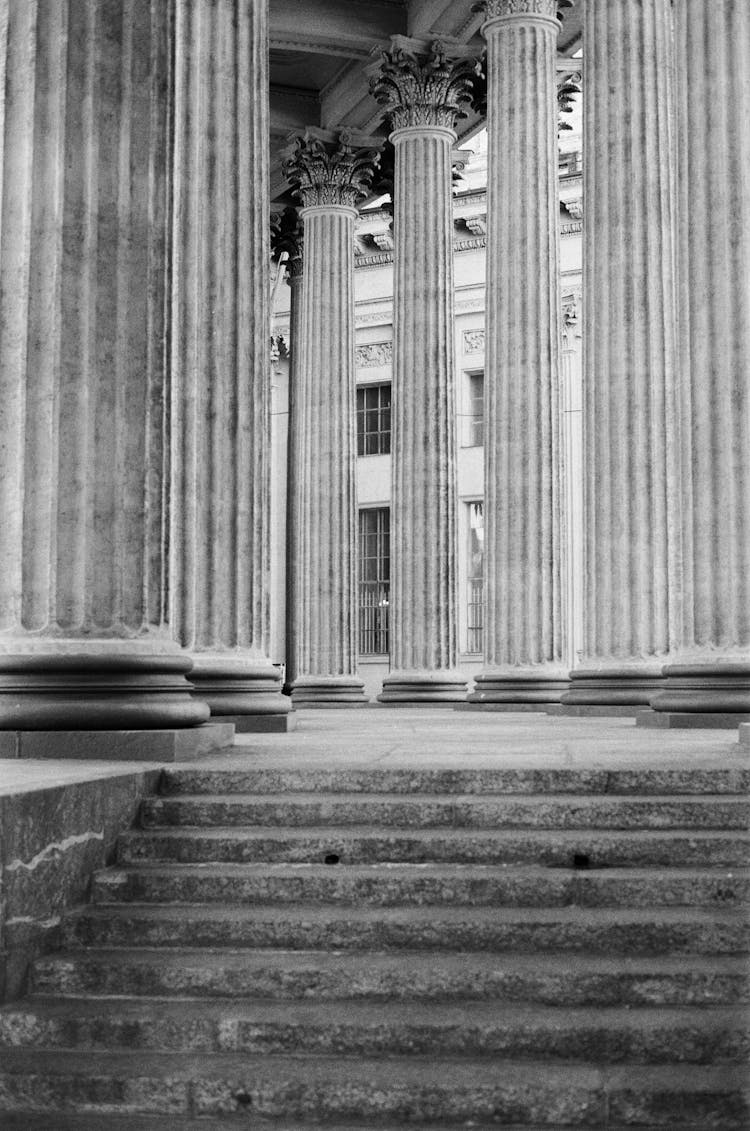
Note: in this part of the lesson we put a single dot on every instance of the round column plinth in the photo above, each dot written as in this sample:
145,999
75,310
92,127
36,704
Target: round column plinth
328,691
423,687
613,687
97,691
716,689
234,686
522,688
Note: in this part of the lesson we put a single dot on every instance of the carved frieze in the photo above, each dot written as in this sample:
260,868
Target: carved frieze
336,169
374,354
422,85
473,341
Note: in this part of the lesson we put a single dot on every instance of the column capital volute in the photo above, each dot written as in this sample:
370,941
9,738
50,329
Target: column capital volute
423,83
331,168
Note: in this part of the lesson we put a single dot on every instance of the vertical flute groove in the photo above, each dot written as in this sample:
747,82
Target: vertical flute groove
522,567
713,54
632,549
82,292
220,403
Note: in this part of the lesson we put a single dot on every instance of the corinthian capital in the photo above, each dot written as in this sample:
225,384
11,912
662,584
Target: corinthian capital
331,168
287,237
422,84
551,9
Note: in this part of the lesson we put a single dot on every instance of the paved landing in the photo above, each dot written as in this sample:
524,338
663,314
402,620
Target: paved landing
432,738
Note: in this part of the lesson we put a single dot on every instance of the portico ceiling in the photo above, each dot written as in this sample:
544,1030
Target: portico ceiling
320,48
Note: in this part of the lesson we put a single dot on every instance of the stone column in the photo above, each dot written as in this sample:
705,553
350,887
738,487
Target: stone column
220,529
524,632
287,238
424,93
632,549
331,174
709,681
571,414
84,134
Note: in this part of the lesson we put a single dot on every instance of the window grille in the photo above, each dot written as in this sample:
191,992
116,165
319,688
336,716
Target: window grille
374,420
475,582
374,580
475,430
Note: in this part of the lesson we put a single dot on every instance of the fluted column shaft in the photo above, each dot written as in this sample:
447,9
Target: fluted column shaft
524,657
84,131
325,575
330,174
423,507
295,442
423,611
632,549
221,323
711,674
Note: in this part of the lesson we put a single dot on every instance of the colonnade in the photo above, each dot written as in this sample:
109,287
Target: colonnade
134,462
134,436
666,412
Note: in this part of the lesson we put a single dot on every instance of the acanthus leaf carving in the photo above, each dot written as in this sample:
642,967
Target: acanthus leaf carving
331,169
423,85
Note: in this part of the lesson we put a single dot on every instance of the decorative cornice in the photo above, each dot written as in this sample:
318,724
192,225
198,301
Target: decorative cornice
324,168
287,237
477,225
421,84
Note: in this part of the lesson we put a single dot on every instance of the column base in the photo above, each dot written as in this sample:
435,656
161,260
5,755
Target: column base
236,687
717,689
260,724
612,687
166,745
96,688
594,711
527,690
412,688
328,691
690,720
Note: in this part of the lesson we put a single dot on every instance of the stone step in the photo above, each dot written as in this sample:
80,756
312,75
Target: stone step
557,848
593,1036
421,885
25,1121
460,811
593,931
643,780
379,1091
559,979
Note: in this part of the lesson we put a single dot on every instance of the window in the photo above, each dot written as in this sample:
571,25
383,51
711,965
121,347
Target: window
475,583
374,580
374,420
475,410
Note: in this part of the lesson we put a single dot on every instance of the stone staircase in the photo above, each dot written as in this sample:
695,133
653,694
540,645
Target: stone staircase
372,948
